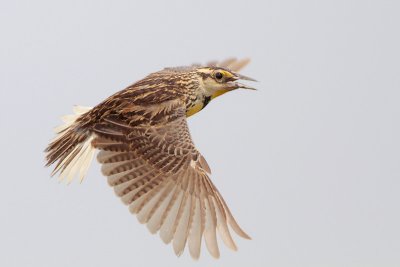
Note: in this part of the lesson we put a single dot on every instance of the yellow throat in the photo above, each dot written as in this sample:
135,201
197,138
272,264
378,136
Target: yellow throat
201,104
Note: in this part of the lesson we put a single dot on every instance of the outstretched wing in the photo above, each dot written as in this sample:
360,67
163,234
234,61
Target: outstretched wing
155,168
233,64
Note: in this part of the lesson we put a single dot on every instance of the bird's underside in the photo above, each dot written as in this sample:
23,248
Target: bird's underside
149,158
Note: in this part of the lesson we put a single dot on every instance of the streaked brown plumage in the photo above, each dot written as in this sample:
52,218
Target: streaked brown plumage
148,155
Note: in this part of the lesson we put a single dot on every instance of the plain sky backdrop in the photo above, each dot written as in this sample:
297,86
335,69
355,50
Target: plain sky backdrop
309,163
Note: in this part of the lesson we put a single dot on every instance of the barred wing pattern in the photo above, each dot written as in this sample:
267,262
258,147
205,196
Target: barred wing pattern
158,172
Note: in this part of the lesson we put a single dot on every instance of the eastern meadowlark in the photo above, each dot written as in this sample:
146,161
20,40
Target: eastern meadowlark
149,157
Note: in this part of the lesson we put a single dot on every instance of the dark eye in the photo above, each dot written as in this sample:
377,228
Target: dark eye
218,75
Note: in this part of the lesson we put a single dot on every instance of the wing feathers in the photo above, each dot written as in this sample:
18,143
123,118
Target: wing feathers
230,219
158,211
166,230
195,232
148,156
231,63
222,226
182,222
210,230
145,211
239,64
183,207
159,173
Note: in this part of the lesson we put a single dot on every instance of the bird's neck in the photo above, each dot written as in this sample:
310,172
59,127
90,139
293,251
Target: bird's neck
199,102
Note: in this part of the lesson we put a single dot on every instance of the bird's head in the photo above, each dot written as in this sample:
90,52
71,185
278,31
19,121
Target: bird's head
216,81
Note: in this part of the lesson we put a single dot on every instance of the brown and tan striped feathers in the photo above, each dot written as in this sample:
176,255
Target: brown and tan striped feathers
149,158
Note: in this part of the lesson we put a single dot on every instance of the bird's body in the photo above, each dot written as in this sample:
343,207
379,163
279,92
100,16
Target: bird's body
148,156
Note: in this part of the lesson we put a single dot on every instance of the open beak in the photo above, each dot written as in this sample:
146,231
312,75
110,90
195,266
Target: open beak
236,84
242,77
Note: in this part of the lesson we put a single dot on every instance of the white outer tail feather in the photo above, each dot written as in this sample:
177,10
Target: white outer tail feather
81,162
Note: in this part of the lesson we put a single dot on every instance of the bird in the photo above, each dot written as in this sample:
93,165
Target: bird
147,154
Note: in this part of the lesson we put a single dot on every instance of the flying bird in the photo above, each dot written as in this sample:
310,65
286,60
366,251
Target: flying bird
148,156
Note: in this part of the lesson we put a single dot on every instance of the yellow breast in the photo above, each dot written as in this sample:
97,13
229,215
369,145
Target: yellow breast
194,109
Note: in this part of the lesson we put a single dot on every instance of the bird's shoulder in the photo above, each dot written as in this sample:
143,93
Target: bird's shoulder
150,99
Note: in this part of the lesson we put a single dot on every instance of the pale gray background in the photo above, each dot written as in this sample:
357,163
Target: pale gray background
309,164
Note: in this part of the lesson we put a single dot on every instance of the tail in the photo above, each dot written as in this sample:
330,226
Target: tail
72,148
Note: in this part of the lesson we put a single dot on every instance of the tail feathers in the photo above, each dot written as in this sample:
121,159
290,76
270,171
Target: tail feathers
72,148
